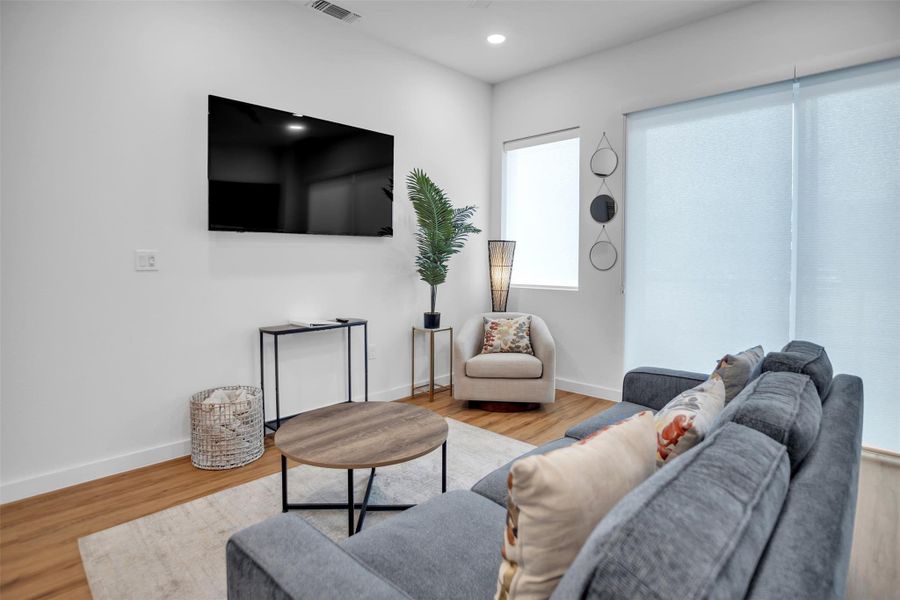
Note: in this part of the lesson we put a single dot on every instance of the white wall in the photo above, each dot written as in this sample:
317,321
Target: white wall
104,152
757,44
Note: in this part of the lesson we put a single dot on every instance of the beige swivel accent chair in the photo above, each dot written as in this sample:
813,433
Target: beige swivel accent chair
503,377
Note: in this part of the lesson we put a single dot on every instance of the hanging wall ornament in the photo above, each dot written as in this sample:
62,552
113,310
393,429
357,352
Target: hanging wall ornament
603,253
604,161
604,207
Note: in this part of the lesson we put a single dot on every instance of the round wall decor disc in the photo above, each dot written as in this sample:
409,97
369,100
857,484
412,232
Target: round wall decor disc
603,255
603,208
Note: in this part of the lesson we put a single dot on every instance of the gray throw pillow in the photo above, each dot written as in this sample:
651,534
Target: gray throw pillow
784,406
803,357
737,370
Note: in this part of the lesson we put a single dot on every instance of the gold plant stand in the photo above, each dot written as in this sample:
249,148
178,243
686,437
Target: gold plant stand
429,387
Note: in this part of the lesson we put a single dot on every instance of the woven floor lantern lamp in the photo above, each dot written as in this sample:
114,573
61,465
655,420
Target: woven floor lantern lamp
500,259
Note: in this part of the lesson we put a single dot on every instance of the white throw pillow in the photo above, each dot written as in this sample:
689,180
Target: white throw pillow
556,499
687,418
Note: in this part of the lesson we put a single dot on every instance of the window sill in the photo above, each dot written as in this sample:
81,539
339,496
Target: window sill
552,288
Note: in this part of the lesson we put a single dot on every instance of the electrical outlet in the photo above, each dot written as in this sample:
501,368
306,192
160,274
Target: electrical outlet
372,352
146,260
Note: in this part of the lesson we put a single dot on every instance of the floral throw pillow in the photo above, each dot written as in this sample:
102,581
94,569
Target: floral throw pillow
507,335
687,418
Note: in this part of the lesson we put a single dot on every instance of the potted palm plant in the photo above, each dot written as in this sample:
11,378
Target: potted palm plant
442,232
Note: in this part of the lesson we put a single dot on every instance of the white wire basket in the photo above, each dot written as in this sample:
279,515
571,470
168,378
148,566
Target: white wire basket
229,433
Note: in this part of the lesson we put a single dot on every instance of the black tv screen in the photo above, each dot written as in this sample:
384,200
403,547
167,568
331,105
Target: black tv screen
277,171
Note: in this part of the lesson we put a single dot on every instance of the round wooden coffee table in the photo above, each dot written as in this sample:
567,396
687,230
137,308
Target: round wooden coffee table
359,435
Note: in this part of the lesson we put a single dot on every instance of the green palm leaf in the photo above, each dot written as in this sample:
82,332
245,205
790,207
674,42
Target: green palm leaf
442,229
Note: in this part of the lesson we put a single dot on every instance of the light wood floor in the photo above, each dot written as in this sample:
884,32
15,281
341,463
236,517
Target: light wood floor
39,536
875,559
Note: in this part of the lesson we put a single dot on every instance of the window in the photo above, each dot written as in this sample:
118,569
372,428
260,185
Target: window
708,228
848,245
767,215
540,208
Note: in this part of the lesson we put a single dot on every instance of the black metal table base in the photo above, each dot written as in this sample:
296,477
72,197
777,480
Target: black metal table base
350,505
277,331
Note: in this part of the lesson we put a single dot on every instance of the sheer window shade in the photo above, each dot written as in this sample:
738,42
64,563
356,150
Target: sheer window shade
766,215
540,208
708,228
848,232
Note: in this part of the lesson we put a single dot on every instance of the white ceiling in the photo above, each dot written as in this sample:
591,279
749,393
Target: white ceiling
539,33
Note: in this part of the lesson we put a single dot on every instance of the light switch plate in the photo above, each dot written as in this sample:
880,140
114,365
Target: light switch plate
146,260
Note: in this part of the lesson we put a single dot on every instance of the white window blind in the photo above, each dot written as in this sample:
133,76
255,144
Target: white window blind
540,208
848,232
767,215
708,228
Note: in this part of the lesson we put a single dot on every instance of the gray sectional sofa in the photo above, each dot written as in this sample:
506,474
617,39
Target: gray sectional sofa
763,508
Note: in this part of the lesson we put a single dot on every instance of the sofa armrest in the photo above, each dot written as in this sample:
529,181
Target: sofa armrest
285,557
653,387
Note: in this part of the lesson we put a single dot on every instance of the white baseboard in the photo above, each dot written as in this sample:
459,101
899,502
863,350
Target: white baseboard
563,384
589,389
55,480
400,391
886,457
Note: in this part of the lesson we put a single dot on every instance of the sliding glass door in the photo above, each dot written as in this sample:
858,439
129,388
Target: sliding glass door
766,215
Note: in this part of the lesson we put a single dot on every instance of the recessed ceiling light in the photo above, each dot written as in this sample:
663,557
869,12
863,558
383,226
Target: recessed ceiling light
496,38
296,127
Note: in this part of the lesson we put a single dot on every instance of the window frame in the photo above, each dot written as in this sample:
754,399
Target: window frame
529,141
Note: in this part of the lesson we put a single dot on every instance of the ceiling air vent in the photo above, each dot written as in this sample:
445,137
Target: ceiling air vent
333,10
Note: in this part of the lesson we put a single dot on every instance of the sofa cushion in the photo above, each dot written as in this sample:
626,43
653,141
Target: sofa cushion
803,357
286,558
695,529
809,553
556,499
737,370
493,485
446,548
613,414
504,365
784,406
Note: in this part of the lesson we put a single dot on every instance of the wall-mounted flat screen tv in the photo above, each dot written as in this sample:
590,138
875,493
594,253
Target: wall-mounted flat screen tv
277,171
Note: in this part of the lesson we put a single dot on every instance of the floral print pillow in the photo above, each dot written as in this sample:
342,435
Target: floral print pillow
507,335
688,418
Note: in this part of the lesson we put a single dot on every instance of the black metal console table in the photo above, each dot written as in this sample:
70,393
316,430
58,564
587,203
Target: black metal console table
277,331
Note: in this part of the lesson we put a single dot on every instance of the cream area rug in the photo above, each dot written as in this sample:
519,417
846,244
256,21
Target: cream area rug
180,552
